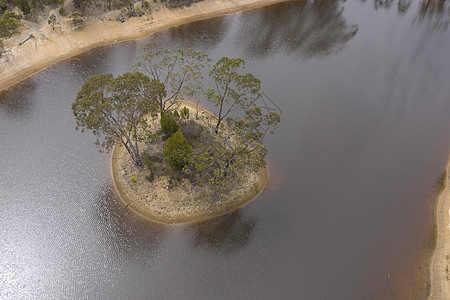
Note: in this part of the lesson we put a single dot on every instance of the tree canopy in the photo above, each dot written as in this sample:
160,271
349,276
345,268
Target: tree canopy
180,70
232,89
215,161
9,23
114,109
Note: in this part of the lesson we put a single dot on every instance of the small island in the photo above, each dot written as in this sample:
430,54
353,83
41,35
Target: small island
161,193
174,161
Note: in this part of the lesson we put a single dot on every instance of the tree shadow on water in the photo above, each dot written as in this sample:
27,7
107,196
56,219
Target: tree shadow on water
225,234
124,232
436,13
300,29
18,102
205,35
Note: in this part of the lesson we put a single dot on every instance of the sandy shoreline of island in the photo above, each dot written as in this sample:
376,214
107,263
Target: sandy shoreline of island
51,46
440,261
159,203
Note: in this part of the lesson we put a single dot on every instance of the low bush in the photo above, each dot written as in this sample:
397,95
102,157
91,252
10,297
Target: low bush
177,151
169,122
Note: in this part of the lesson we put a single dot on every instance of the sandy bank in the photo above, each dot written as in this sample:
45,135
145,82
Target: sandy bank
51,46
440,262
164,202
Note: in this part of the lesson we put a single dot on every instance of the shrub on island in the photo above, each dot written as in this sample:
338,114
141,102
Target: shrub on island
177,151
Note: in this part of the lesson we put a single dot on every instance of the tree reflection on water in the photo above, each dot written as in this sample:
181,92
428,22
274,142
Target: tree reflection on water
18,104
436,12
301,29
225,234
125,233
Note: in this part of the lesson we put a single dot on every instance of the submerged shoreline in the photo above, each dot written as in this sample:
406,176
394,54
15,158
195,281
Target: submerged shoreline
154,201
440,261
51,46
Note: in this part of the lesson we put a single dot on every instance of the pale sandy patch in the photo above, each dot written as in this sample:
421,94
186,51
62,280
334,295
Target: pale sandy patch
440,261
50,46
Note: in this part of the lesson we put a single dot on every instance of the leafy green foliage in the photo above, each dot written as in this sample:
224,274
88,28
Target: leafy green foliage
184,113
9,23
232,89
222,161
169,122
178,69
52,21
216,162
177,150
77,19
254,126
62,11
24,7
114,109
218,165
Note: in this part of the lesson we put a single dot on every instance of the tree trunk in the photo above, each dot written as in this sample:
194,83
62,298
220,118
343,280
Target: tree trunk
217,126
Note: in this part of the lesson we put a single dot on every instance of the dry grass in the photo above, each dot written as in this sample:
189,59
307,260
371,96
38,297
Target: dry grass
169,198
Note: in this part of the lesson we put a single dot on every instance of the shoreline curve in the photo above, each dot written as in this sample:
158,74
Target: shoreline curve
440,260
136,204
53,46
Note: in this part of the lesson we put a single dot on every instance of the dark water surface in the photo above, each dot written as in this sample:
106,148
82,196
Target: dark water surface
363,87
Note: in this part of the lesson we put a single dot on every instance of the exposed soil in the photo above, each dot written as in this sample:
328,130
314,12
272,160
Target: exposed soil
171,199
52,45
440,262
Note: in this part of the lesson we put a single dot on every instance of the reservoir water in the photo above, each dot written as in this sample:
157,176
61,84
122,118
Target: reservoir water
364,95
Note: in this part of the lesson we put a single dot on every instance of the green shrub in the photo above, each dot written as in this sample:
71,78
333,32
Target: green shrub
152,137
151,158
24,7
62,11
146,4
169,123
77,19
3,5
9,23
52,21
184,113
133,179
177,150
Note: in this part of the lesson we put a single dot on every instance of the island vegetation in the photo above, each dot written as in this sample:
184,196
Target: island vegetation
211,161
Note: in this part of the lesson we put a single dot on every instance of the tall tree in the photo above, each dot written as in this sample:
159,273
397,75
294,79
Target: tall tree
114,109
232,89
178,69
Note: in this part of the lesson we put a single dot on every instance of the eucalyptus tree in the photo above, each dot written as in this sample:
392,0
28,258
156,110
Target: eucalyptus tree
180,70
232,90
223,160
116,109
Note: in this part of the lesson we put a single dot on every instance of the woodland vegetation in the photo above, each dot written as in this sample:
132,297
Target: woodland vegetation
141,110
